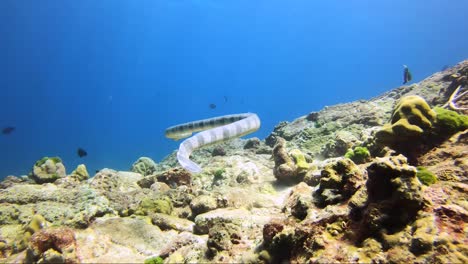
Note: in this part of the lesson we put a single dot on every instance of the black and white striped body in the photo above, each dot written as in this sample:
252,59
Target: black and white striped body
213,130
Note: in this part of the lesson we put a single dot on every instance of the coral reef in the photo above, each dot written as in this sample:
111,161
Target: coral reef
398,195
358,155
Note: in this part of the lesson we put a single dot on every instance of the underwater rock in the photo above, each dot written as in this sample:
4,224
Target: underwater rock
424,233
22,239
159,187
73,207
218,151
394,194
111,180
190,246
337,147
180,197
240,217
10,181
175,177
202,204
278,239
449,161
222,236
278,132
53,245
289,167
126,239
147,181
299,201
144,165
252,143
120,189
48,170
166,222
313,116
338,182
148,206
80,173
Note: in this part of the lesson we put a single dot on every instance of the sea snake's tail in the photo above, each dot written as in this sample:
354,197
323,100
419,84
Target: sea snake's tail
187,164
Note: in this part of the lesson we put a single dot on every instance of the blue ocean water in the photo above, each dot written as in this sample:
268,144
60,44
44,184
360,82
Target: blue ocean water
110,75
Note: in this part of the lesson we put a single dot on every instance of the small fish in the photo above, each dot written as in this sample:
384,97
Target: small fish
225,99
8,130
406,75
445,67
81,152
212,106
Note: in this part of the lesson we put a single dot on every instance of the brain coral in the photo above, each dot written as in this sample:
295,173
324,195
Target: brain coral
411,117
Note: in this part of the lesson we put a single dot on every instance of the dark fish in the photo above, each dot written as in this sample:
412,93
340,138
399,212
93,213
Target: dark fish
8,130
212,106
225,99
406,75
81,152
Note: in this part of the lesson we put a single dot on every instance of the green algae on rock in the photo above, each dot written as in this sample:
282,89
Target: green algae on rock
449,122
358,155
154,260
160,205
425,176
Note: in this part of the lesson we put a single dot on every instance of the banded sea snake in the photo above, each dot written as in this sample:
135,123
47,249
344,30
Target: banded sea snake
213,130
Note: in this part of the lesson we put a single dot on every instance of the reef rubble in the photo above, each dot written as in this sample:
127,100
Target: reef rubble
379,180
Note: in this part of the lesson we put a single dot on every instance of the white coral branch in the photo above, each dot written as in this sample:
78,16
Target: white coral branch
454,97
